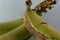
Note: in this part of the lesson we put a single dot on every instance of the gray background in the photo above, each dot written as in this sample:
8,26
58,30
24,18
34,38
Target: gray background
14,9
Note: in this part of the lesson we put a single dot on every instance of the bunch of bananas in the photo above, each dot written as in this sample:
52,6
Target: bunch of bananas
22,29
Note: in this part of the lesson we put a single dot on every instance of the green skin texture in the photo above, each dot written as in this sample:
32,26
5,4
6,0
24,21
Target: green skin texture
8,26
45,29
14,30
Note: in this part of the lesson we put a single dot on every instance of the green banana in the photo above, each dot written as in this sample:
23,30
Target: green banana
14,30
36,22
20,33
8,26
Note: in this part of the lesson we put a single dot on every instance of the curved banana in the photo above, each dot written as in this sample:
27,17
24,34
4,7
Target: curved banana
37,26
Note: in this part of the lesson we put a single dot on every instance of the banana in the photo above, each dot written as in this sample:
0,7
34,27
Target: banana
14,30
38,27
8,26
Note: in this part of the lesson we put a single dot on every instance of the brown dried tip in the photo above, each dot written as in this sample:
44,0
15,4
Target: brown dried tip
42,7
28,2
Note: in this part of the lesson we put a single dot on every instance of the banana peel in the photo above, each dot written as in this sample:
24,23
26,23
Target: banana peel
14,30
39,28
9,28
10,25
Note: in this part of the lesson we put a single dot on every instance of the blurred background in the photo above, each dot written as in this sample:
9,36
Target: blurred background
14,9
